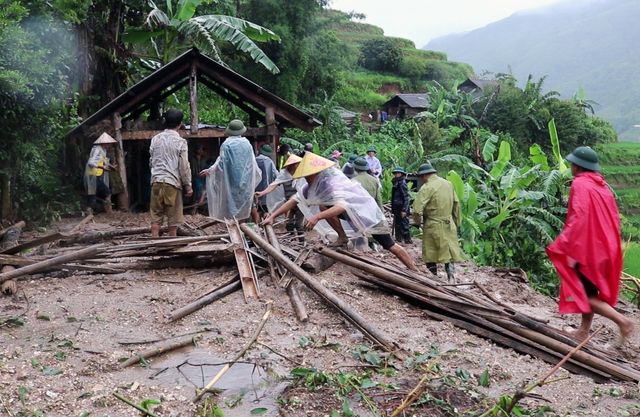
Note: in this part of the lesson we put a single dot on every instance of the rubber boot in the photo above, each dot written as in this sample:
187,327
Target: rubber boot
433,268
107,206
450,270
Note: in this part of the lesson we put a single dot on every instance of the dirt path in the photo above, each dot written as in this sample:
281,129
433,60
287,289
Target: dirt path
64,358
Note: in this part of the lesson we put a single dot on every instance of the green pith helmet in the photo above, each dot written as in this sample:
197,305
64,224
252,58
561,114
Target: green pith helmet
361,164
266,150
352,158
426,168
235,128
400,170
584,157
372,149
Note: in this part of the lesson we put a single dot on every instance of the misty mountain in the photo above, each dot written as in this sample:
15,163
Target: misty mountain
593,45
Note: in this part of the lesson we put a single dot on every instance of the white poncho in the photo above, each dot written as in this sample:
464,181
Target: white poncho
232,180
332,188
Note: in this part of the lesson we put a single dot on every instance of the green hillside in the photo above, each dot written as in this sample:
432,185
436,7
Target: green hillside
365,87
590,45
621,167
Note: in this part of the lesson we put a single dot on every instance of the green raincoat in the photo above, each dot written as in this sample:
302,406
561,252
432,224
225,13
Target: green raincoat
371,185
438,207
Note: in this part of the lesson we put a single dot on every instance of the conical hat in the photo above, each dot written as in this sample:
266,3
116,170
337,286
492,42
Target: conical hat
104,138
292,159
312,164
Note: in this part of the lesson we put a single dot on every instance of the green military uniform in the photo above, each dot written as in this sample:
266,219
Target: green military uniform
438,205
371,185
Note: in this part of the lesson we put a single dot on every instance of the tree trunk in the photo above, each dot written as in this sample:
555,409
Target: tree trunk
5,190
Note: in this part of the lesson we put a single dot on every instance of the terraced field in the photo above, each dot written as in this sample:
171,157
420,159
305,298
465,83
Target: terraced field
621,166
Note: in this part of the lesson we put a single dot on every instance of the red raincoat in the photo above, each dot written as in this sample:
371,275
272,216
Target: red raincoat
590,237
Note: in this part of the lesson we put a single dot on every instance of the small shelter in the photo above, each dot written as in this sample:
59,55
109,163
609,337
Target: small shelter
406,105
267,113
477,85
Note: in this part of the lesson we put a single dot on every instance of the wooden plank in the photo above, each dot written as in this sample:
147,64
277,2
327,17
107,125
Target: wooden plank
193,97
243,261
208,133
52,237
214,249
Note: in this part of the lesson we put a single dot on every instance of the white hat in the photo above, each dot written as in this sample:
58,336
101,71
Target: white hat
104,139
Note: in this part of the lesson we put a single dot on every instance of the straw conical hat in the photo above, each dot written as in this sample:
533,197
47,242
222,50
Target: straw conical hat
104,138
312,164
292,159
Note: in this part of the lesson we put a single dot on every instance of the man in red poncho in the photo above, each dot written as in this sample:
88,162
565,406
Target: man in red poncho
588,252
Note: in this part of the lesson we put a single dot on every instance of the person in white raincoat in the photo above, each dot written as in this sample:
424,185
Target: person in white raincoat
232,179
338,198
96,173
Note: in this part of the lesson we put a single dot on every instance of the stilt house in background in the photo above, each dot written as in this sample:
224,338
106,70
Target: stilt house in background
406,105
267,115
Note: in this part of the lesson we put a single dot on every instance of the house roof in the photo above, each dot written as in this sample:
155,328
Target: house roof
417,101
481,84
239,90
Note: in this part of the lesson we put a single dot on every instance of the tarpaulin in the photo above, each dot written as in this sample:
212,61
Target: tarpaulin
591,239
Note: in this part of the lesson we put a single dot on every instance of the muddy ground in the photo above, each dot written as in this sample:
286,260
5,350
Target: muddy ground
61,355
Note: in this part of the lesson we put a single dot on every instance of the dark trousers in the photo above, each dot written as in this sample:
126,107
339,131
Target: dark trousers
295,222
402,228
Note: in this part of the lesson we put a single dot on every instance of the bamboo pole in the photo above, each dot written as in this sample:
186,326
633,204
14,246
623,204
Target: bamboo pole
254,337
296,303
217,294
160,349
43,265
345,310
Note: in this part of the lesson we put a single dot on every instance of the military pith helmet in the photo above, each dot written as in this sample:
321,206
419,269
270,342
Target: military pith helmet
426,168
361,164
399,170
105,139
372,149
352,158
266,150
312,164
349,171
584,157
292,159
235,128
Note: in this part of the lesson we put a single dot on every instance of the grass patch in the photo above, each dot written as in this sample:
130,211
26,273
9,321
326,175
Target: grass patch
632,259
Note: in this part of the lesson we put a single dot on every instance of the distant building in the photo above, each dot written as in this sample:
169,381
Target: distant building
402,106
477,85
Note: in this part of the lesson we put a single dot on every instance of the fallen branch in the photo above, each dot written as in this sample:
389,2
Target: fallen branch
254,337
412,397
19,225
159,350
134,405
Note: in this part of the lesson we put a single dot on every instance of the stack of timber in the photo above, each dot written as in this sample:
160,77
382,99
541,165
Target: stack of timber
489,318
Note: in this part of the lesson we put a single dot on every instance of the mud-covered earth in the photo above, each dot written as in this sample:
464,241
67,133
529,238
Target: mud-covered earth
63,338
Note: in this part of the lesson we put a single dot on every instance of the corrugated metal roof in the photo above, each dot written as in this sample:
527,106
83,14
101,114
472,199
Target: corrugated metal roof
176,70
416,100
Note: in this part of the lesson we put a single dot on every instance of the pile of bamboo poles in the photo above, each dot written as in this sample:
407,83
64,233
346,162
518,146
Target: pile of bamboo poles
489,318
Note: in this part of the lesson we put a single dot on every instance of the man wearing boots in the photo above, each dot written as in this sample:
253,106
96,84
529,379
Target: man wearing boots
400,206
438,207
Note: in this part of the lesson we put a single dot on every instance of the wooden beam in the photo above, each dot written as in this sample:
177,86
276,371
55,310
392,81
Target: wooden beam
209,133
134,114
123,197
193,97
256,97
230,97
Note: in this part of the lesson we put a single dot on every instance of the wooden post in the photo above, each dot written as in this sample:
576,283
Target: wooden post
123,197
193,97
272,132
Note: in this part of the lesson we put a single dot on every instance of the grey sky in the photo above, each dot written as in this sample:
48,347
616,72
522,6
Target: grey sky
423,20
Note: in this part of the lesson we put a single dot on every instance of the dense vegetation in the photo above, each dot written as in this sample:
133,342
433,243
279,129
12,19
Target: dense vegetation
493,145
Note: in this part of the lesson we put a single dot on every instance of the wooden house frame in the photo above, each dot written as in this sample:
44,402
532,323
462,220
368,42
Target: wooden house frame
268,114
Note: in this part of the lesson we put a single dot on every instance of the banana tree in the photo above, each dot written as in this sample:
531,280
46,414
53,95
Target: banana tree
174,28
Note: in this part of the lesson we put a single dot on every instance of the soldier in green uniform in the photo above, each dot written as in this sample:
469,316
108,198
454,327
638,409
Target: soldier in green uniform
438,207
368,181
